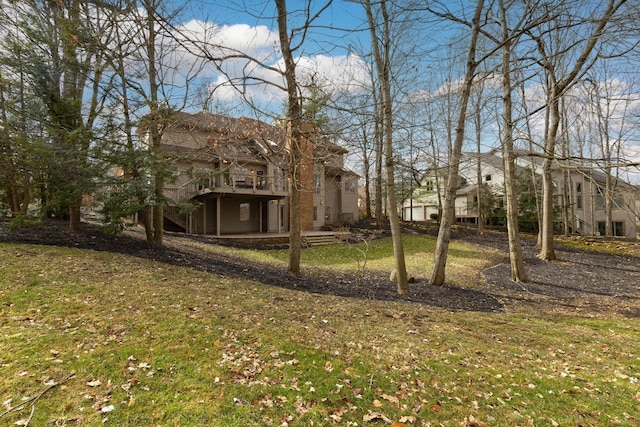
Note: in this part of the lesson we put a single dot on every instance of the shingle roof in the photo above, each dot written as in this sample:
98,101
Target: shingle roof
224,128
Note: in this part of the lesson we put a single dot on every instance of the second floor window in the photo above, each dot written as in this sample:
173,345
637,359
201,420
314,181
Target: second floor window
350,186
317,183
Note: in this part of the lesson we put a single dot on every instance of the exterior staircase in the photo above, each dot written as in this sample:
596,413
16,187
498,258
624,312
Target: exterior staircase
320,239
171,213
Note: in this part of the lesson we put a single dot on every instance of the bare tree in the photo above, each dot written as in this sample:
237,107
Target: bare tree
611,104
555,49
295,138
444,234
518,273
381,46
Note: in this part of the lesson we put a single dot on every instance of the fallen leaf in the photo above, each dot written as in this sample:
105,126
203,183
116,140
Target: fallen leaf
106,409
472,421
94,383
391,399
371,416
377,403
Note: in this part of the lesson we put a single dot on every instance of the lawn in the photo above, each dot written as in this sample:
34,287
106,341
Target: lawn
91,338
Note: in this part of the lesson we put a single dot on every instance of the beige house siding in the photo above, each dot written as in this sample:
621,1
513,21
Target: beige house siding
583,199
231,169
586,205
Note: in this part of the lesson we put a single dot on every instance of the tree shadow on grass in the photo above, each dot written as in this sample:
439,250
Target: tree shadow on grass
372,287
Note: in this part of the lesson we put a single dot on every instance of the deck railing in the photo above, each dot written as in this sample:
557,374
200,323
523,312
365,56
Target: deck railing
228,182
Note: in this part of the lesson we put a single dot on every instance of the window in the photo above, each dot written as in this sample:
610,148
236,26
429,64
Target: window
601,201
578,187
428,185
281,216
579,202
315,213
487,178
617,228
245,210
350,186
317,183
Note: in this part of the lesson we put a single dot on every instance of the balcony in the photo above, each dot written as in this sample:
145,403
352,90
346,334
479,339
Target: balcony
259,185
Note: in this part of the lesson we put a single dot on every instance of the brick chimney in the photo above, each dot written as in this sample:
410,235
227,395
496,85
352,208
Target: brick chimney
306,176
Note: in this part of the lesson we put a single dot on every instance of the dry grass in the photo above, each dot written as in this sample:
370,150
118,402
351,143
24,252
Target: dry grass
151,344
608,245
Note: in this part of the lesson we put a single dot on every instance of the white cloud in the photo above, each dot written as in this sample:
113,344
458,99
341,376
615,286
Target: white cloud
336,74
249,60
632,155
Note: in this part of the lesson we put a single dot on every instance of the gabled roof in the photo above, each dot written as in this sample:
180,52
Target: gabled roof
594,174
223,128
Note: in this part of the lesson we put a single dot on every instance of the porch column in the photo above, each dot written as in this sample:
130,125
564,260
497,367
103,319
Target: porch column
204,217
278,218
217,216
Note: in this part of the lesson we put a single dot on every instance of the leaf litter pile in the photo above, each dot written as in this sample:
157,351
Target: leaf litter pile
580,281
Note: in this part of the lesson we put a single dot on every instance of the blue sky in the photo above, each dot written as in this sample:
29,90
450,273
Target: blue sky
330,52
332,49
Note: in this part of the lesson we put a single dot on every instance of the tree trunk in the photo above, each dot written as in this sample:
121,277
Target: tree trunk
367,174
6,156
383,65
547,251
444,233
294,134
480,210
518,273
157,211
556,88
378,141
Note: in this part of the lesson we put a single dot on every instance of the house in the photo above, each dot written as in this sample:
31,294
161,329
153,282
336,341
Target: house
579,194
232,176
429,197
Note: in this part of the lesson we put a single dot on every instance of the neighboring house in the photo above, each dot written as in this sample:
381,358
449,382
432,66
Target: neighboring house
232,172
584,191
427,199
579,192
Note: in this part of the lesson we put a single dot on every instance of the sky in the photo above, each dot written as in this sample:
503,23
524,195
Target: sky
332,53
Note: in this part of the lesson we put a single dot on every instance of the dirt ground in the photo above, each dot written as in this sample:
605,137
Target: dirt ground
580,282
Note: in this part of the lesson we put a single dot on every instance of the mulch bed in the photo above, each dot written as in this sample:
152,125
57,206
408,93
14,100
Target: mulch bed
580,282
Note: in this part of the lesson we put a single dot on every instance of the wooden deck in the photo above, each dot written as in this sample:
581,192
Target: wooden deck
313,238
